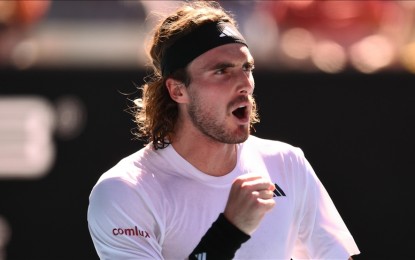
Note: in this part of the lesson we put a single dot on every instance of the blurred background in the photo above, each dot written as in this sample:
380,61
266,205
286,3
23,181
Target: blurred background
333,77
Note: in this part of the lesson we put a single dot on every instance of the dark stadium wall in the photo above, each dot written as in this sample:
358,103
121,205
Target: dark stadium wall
356,130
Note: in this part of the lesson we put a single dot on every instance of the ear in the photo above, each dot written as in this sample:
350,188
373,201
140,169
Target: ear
177,90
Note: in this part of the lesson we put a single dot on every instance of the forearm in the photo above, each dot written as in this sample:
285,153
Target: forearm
221,241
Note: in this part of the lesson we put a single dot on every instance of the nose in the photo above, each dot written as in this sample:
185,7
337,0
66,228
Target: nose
246,82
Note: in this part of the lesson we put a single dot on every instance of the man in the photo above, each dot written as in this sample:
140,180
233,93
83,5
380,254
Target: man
204,188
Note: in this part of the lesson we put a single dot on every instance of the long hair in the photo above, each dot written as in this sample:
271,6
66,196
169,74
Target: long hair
156,113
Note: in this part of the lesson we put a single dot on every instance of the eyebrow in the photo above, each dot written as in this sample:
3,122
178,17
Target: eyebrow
222,65
250,62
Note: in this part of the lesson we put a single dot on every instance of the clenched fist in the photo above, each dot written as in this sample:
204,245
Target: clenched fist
251,196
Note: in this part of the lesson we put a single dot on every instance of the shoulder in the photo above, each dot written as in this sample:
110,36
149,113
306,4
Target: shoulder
269,147
132,167
276,155
129,176
126,189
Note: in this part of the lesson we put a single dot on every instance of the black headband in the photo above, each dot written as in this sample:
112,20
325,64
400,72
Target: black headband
197,42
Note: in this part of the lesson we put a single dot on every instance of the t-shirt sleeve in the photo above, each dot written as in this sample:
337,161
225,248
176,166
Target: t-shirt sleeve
323,233
122,222
220,242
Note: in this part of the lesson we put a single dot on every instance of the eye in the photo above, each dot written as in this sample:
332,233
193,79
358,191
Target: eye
249,67
220,71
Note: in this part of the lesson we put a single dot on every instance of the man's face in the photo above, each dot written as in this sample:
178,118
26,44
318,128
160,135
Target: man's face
220,93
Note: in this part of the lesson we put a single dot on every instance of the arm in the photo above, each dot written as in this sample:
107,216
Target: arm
120,222
249,200
221,241
323,233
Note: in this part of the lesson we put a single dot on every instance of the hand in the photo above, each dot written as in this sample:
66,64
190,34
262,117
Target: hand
251,196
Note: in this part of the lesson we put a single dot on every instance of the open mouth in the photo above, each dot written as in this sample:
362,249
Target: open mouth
240,112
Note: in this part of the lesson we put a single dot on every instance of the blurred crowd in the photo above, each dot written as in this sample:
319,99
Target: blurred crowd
306,35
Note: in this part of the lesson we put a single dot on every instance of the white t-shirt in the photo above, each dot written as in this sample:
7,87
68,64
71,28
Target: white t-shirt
155,205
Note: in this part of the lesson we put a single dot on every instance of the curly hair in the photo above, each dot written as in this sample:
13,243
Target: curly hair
156,113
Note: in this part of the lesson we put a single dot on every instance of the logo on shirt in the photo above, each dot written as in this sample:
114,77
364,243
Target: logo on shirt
278,191
201,256
130,232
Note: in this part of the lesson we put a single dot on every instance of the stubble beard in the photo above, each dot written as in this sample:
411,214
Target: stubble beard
208,124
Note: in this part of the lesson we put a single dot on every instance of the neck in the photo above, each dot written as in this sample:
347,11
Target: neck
209,156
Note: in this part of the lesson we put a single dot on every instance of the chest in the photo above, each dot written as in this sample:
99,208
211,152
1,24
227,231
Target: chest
190,213
194,208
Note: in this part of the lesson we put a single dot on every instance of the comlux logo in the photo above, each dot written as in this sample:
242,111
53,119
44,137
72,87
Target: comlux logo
130,232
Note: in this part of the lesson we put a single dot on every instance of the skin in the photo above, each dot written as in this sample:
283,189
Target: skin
207,131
